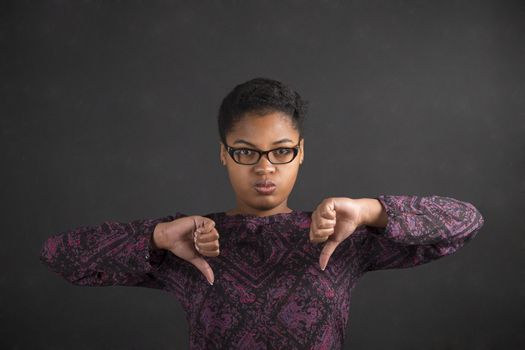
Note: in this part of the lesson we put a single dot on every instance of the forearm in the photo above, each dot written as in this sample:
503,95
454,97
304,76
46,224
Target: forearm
420,229
111,253
373,213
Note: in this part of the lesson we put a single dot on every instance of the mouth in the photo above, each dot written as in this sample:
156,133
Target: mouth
265,187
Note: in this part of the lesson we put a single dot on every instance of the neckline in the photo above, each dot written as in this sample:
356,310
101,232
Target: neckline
251,217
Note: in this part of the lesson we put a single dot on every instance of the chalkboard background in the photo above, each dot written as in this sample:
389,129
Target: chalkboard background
108,112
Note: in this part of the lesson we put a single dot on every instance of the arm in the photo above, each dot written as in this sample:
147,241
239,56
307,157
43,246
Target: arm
374,214
411,230
114,253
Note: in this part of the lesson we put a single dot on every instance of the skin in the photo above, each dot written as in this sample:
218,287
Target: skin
262,131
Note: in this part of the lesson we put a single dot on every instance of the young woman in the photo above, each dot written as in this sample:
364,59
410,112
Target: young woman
278,278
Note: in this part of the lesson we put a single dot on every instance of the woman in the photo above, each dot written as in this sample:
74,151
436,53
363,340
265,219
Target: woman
272,285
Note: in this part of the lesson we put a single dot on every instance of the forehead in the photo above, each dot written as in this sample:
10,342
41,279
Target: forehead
263,130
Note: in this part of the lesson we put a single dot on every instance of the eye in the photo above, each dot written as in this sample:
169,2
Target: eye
244,152
283,151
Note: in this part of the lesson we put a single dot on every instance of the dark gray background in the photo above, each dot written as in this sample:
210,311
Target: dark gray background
108,112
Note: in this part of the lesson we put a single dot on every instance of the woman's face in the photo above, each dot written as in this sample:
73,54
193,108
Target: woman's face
262,133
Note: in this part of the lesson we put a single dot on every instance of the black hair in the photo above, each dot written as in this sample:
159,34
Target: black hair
261,96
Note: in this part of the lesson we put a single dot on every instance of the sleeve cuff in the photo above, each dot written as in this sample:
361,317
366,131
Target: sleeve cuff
397,207
145,258
391,212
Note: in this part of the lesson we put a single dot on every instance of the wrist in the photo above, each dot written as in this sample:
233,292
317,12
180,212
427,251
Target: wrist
372,213
158,234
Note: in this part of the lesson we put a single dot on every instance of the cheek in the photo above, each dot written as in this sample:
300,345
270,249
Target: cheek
291,176
239,178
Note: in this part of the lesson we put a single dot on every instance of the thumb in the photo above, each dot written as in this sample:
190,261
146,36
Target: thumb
326,253
205,268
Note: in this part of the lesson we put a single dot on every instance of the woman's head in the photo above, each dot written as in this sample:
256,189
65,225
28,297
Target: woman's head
262,114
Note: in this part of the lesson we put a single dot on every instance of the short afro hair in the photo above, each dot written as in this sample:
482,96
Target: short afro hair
261,96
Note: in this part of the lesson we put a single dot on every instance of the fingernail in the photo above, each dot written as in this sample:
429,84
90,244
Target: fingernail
211,283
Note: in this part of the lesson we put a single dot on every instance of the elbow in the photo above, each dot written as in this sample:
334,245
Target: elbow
51,258
47,251
465,220
472,222
475,217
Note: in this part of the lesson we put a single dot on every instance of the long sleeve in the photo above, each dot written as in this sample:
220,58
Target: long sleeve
114,253
419,230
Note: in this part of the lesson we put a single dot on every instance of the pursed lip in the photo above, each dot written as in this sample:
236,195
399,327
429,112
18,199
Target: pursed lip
264,183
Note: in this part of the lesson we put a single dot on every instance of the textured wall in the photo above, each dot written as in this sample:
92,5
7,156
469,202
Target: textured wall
108,112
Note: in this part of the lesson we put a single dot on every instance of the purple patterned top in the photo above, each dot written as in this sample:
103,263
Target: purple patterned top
269,291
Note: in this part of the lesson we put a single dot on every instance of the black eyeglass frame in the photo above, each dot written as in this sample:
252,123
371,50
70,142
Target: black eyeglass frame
261,153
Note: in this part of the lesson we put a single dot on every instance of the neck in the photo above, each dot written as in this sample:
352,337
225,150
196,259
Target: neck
257,212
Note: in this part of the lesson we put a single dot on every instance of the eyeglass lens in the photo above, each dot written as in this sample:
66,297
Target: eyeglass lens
278,156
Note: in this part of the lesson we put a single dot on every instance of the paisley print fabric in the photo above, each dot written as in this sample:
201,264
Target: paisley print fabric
269,291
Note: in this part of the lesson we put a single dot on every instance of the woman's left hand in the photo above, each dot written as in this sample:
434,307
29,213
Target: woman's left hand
333,221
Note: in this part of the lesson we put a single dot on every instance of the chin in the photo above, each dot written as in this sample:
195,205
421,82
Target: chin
264,204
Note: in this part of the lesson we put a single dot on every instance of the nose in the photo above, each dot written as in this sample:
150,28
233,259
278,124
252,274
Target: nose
264,165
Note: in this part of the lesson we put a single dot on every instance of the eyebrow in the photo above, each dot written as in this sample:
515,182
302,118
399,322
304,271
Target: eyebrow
251,144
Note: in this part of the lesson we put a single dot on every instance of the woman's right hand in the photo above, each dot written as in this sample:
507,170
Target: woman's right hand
189,238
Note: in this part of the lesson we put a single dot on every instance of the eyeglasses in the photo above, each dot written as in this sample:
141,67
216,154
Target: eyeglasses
248,156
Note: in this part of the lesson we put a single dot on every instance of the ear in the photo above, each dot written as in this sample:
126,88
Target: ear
222,153
302,151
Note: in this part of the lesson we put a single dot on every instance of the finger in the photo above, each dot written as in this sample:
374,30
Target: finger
210,253
213,235
196,235
209,247
319,240
195,244
326,253
328,212
203,225
322,233
207,244
208,225
325,223
204,268
201,230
